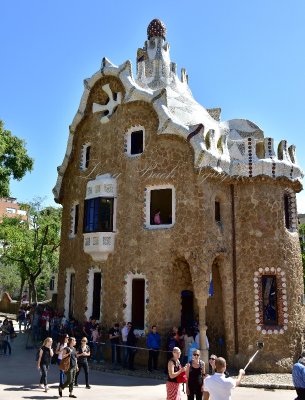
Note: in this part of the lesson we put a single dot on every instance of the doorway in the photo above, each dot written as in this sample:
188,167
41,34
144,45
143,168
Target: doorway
187,309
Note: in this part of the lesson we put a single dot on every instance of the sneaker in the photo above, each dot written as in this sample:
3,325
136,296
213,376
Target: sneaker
46,389
88,387
41,386
60,391
72,395
75,384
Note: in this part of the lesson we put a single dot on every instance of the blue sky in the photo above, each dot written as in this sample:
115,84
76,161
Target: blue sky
246,57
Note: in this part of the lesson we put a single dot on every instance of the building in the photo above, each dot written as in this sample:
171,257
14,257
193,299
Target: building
10,208
163,201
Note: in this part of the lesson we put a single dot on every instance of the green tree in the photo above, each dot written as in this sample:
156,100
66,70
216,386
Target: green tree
32,246
14,161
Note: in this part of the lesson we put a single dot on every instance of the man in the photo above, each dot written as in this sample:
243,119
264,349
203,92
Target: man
114,336
124,333
298,377
153,342
217,386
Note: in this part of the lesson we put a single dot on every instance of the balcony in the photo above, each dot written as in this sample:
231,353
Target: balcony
99,244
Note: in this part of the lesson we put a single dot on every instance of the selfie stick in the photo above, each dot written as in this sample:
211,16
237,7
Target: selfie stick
260,345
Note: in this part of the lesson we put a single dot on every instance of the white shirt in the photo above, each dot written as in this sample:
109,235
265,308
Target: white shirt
124,332
219,386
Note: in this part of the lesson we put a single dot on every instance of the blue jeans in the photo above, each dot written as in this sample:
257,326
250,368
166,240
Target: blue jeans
61,374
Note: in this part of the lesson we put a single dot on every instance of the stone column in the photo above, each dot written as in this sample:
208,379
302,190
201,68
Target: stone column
202,335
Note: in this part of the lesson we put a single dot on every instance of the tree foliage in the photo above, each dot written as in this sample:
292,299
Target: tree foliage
33,245
14,161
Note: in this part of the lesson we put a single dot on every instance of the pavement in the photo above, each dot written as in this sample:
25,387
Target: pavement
19,379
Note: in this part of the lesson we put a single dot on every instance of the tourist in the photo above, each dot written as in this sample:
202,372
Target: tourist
212,366
195,373
153,342
61,345
70,351
188,342
114,336
217,386
298,377
44,361
82,359
157,218
124,333
131,343
174,369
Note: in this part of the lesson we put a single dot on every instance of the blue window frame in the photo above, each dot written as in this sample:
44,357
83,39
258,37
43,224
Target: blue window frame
98,215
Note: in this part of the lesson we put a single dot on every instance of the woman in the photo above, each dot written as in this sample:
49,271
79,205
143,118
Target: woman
62,344
82,358
174,369
70,351
44,361
131,341
195,373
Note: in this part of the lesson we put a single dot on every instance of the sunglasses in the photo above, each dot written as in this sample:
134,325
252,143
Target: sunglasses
211,358
196,355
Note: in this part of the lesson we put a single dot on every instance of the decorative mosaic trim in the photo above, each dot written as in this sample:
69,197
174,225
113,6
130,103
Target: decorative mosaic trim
127,304
281,295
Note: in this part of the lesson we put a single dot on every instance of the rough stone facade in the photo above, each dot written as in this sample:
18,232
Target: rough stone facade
248,239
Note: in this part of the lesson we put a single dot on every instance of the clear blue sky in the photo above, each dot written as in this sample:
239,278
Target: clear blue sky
246,57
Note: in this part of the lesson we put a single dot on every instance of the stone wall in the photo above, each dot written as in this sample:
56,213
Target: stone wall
182,257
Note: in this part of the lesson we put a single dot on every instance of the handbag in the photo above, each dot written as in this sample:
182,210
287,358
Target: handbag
182,378
64,364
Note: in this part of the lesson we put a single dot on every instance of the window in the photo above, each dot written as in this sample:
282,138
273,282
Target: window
10,210
138,303
85,156
76,213
136,144
161,207
52,283
287,211
135,141
217,211
96,301
269,290
98,215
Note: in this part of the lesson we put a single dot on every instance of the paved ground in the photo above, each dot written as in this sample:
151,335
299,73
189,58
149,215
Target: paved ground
19,380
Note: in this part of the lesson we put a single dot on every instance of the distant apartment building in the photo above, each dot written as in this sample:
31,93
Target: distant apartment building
9,207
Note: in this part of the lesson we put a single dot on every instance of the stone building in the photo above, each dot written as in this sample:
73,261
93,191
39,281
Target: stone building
169,212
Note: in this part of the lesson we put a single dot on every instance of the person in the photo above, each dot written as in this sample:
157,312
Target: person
131,342
195,373
82,359
44,361
61,345
157,218
173,370
124,333
298,378
96,338
188,341
70,351
153,342
217,386
212,365
114,336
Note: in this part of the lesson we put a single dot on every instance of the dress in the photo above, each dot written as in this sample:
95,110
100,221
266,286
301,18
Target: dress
195,381
219,386
172,386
